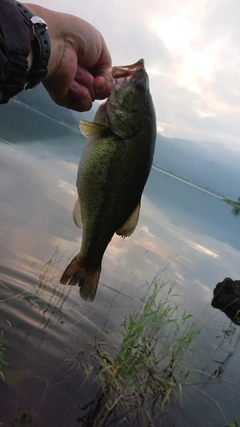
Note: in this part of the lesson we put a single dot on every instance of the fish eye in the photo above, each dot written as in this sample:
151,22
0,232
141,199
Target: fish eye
140,85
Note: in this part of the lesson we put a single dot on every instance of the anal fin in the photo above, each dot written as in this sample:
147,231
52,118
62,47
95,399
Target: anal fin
77,218
129,226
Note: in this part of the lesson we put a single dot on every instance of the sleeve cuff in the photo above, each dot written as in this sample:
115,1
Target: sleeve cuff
14,51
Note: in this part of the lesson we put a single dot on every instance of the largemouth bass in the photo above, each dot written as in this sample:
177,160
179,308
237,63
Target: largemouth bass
112,173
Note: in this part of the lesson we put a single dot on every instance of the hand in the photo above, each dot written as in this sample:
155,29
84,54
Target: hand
79,68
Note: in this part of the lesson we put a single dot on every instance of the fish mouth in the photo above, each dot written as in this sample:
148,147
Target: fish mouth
128,70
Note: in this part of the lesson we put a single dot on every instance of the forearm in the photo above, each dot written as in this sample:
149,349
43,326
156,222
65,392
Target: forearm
14,51
55,22
76,70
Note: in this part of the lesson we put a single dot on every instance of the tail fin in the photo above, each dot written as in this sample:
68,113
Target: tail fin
87,279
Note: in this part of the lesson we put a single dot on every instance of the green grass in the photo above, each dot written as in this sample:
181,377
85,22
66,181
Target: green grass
235,204
50,301
235,424
2,357
141,378
137,369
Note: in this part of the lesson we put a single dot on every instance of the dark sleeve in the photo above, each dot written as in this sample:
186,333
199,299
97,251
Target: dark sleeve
14,50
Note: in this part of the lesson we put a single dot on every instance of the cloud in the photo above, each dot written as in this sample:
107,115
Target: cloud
191,50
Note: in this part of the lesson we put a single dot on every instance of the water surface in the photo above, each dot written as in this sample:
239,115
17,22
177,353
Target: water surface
185,236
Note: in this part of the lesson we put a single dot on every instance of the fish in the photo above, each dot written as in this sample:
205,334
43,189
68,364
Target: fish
112,173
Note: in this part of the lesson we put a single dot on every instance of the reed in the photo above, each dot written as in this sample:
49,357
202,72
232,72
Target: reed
3,362
139,380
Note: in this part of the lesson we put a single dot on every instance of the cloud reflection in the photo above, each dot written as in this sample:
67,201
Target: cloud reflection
67,187
204,250
37,217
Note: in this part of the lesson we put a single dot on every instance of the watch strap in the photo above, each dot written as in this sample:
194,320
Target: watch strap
40,43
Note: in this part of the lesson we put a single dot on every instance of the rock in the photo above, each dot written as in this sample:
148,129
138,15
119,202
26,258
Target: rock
226,297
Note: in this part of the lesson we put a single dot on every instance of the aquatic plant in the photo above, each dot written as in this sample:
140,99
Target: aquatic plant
49,296
234,424
235,204
2,357
138,381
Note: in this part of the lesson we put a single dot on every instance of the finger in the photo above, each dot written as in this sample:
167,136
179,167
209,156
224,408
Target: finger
85,78
79,97
102,87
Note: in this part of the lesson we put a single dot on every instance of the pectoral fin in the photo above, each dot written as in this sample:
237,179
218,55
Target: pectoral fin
129,226
77,218
89,129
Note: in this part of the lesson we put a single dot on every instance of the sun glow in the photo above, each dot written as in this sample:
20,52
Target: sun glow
182,34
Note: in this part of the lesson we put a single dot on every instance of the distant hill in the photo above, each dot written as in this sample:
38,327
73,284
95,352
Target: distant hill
39,99
33,115
209,165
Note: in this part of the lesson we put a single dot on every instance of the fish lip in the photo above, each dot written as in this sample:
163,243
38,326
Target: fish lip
127,70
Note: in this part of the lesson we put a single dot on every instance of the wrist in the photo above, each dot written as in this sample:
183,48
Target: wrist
54,30
40,46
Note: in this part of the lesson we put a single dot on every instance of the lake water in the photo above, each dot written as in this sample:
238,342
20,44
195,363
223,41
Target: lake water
185,236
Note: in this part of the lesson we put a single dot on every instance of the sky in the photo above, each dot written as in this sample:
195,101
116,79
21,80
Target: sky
191,50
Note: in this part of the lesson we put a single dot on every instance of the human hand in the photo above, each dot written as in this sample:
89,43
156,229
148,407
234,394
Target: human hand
79,68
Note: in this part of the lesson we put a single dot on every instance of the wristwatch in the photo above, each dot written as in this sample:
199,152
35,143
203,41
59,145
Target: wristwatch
40,44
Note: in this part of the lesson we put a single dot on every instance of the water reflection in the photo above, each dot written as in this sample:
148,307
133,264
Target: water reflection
184,236
229,333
